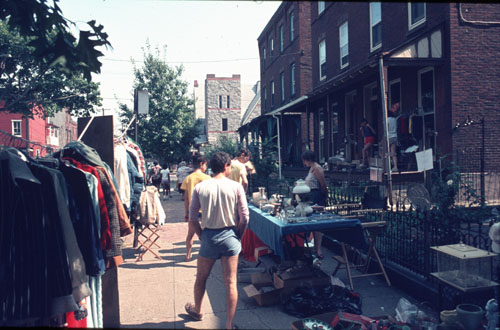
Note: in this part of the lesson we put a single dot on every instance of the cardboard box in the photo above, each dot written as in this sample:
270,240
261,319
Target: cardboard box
304,277
263,294
245,274
261,279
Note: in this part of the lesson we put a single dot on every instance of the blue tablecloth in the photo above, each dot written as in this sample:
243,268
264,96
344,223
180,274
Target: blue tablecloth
271,229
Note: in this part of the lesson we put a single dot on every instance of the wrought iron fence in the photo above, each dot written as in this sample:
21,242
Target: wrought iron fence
408,236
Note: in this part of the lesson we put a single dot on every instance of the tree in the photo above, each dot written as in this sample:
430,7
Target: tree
167,132
42,65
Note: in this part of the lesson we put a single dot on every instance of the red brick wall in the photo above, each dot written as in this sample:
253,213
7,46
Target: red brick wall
475,77
297,51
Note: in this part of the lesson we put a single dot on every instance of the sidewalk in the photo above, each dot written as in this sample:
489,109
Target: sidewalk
153,292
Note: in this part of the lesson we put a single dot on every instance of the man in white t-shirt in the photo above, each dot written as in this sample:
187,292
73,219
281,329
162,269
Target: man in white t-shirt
392,133
224,218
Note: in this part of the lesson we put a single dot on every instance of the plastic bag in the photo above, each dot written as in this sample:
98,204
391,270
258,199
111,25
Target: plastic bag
307,301
406,312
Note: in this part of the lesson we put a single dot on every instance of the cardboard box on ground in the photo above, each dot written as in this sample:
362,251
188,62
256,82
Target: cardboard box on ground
269,290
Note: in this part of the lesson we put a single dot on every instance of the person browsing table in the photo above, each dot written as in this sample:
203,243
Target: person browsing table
315,179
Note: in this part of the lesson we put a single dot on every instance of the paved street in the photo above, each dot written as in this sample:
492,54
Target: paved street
153,292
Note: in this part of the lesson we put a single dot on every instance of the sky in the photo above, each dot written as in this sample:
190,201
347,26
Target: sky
206,37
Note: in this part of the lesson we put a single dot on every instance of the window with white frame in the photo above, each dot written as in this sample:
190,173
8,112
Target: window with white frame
292,26
282,79
375,25
416,14
344,45
265,97
271,48
292,79
16,127
272,93
281,39
322,59
321,7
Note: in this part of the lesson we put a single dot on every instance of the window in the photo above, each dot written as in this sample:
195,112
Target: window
292,27
265,97
228,102
224,124
281,39
292,79
322,59
416,14
16,127
344,45
271,48
37,153
321,145
264,55
376,25
282,79
321,7
272,93
220,101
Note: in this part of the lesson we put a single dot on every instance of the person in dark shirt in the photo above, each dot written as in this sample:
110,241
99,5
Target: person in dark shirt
369,139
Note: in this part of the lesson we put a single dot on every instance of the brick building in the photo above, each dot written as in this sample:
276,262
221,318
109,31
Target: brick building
222,107
285,57
44,135
438,60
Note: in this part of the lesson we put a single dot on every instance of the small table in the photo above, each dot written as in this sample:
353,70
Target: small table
271,230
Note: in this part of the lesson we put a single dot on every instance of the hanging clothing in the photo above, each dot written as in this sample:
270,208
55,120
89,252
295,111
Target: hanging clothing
150,207
84,219
105,222
114,255
121,173
37,282
125,228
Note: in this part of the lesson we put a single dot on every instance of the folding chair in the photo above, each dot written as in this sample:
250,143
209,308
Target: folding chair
371,230
149,235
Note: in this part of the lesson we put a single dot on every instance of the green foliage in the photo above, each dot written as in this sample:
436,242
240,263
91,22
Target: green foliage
35,18
167,132
226,145
264,156
447,183
34,85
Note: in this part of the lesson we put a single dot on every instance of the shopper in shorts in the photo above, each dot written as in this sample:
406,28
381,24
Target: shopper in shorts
223,221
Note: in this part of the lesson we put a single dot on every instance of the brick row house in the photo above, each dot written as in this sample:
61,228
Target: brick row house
45,135
327,65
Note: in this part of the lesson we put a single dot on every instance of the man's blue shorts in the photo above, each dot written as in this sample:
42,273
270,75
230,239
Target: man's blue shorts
216,243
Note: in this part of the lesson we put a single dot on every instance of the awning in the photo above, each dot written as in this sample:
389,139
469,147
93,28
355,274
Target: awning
287,106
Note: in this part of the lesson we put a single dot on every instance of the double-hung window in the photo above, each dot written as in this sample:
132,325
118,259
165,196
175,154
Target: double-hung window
416,14
16,127
272,93
282,80
375,25
292,26
321,7
322,59
292,79
281,39
344,45
265,97
271,49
